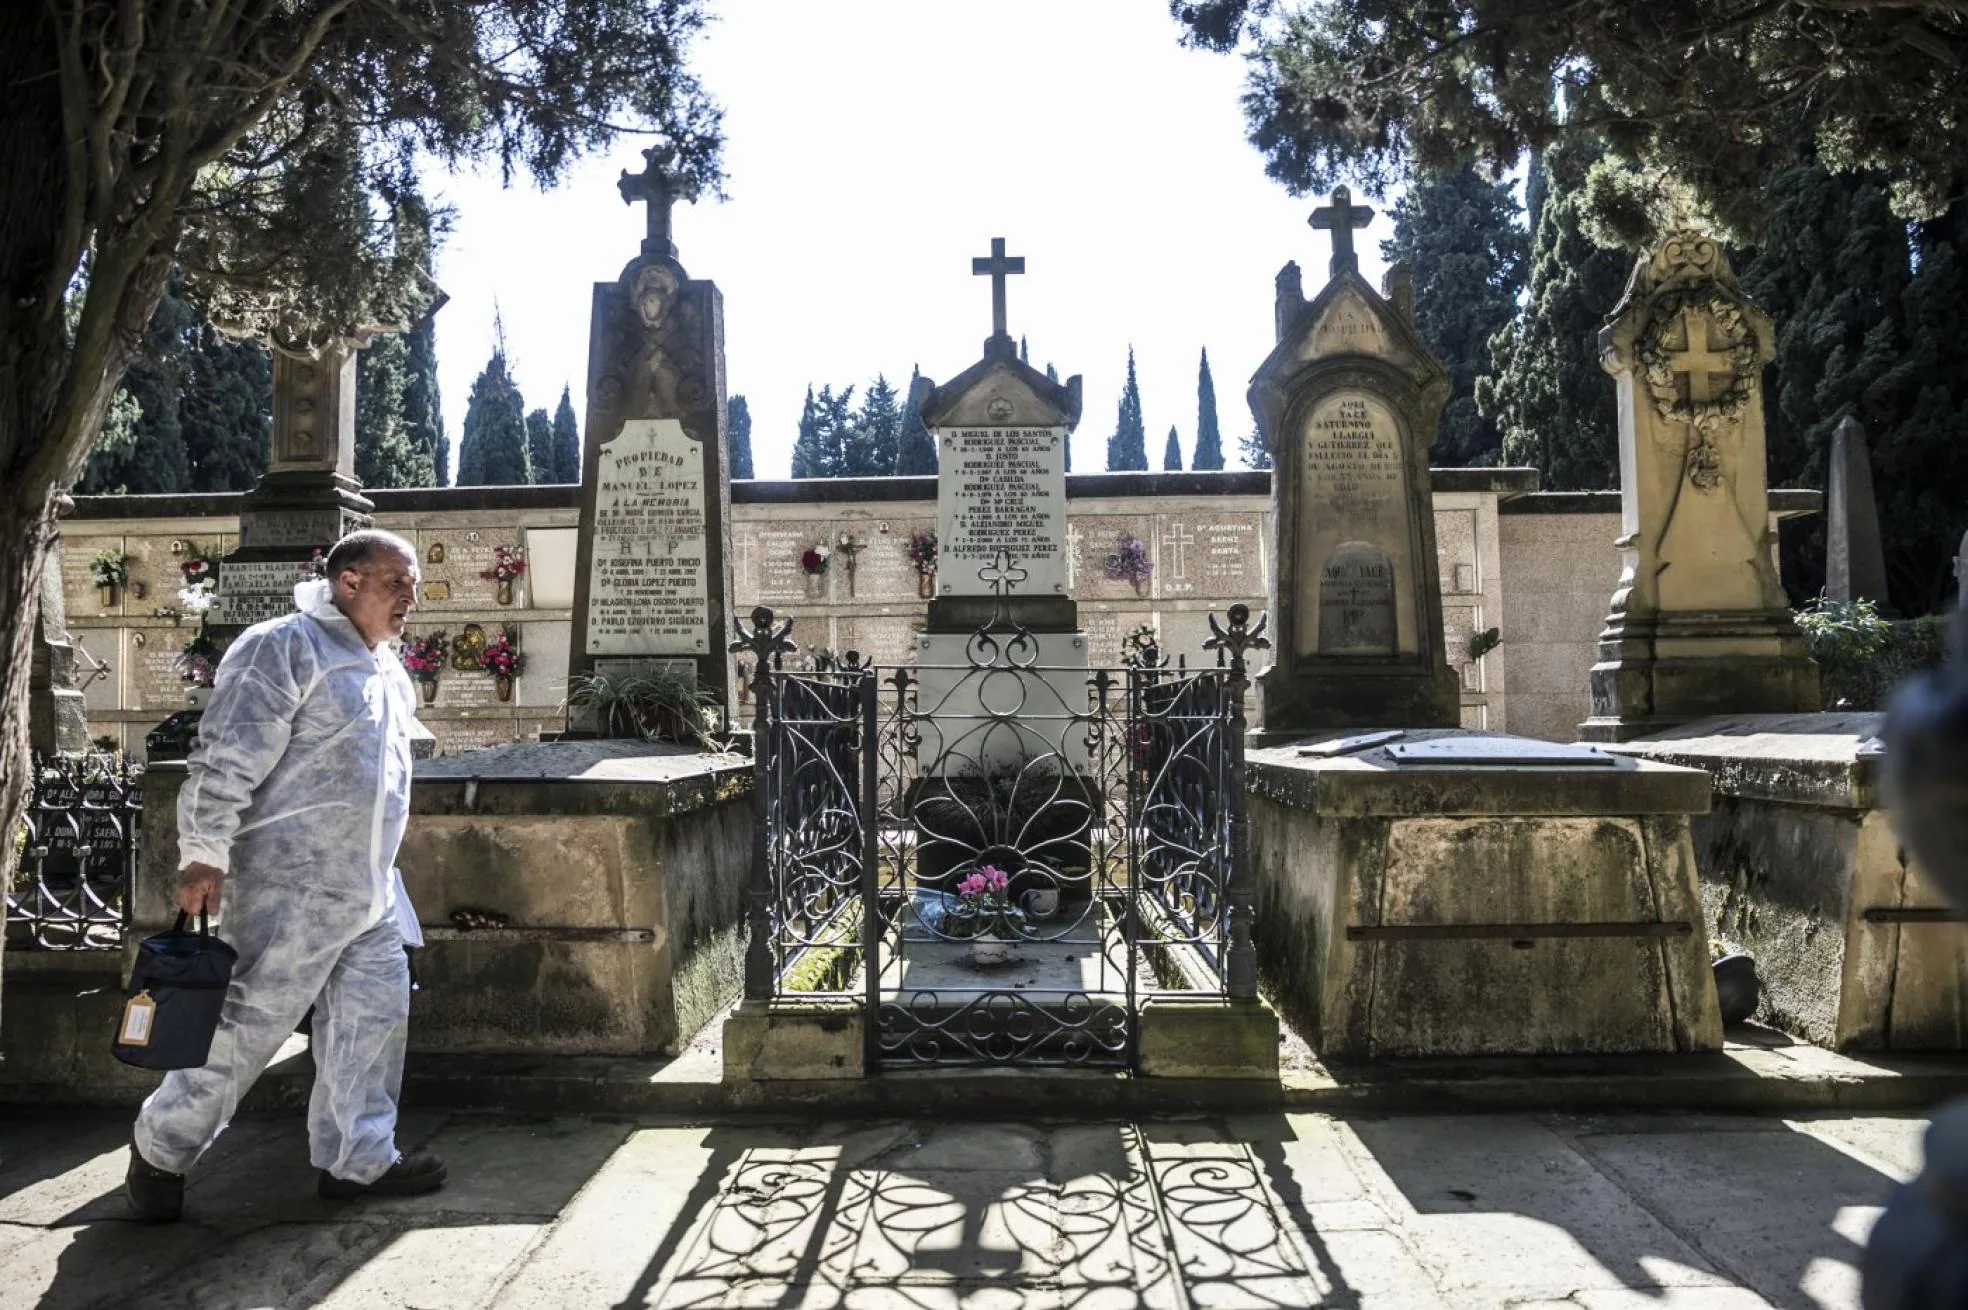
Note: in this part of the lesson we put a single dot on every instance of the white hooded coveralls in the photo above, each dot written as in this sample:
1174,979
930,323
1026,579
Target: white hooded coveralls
299,791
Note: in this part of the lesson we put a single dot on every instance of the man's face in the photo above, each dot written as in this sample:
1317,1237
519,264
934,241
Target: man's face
379,595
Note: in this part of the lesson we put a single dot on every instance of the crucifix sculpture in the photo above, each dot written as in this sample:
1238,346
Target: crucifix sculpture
1697,360
997,268
1343,217
662,188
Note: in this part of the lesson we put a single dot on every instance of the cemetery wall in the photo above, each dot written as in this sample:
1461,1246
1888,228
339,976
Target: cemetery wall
1540,567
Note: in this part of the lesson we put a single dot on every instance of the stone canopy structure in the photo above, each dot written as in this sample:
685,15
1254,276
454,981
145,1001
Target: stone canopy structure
1699,623
1348,404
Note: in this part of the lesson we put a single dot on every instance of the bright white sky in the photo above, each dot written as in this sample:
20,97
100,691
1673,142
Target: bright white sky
874,147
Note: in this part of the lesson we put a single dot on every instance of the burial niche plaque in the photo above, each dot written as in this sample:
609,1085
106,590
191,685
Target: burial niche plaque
1003,488
647,586
1356,602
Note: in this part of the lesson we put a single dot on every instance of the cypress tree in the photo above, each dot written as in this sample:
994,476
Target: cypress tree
738,432
1128,447
915,449
808,458
1172,453
148,455
566,440
826,422
385,453
1459,234
493,451
422,412
1255,453
869,442
226,411
1209,438
1546,393
539,445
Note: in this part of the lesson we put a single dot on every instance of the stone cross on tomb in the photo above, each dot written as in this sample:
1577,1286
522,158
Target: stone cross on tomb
1344,218
997,268
1697,359
662,188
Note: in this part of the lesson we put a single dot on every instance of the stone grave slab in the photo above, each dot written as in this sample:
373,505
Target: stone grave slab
648,587
1002,488
1466,751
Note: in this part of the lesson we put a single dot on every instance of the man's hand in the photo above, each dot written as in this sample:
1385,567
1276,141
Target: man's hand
198,888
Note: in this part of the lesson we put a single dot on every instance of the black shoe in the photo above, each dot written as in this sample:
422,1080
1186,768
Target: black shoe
411,1175
156,1196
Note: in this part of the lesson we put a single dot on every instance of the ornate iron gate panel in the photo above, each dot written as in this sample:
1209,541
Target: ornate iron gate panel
999,858
77,852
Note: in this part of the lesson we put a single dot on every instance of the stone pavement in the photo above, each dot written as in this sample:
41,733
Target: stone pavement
1539,1212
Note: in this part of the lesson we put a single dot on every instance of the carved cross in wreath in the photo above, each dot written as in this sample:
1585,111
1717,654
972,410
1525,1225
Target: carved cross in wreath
1698,361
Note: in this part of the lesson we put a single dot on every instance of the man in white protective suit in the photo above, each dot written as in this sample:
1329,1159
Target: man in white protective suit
296,800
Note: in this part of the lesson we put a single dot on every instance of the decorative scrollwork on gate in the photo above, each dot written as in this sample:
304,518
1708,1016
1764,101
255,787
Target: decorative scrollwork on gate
77,855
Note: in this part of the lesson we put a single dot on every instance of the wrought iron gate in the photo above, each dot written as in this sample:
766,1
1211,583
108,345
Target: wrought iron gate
997,857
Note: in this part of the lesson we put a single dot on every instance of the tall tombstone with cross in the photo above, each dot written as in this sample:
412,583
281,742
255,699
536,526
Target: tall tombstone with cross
1000,428
652,581
1348,404
1699,623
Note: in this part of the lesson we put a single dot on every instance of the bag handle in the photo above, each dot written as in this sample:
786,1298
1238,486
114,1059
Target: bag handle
204,923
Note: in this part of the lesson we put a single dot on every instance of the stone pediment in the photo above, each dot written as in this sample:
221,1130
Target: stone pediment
1347,320
1000,390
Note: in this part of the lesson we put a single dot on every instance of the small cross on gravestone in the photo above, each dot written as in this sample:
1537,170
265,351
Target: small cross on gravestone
1697,360
1343,218
661,188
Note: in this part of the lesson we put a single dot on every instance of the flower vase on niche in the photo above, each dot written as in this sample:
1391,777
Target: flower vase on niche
508,566
816,586
503,659
503,685
926,585
813,563
921,551
427,687
423,659
505,591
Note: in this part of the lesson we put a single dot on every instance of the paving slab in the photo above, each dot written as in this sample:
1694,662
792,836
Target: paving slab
500,1165
429,1269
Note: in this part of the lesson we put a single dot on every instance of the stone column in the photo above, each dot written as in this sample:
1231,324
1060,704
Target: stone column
652,574
1855,558
1699,623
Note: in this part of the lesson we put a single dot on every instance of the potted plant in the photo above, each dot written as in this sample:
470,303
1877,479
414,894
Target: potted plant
109,567
921,551
813,563
504,660
658,703
423,658
508,565
985,915
1130,562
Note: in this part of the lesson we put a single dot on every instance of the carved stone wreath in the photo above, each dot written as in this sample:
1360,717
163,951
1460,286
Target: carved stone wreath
1656,358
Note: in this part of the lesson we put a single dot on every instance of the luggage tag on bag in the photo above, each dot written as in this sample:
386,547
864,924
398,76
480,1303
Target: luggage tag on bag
138,1012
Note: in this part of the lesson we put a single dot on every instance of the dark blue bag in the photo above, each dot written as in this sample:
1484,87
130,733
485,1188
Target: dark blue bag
177,988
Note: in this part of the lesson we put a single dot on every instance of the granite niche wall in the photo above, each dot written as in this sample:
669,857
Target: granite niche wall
1540,567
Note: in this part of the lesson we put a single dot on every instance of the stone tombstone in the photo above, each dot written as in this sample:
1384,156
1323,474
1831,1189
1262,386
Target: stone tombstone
1348,403
653,562
1699,623
1855,558
308,498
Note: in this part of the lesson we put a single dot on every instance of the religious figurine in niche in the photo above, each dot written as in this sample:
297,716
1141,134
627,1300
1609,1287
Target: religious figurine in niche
436,553
468,648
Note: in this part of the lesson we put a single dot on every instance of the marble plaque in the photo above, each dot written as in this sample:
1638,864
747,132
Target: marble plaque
1356,602
774,564
648,592
1091,538
255,591
312,527
884,639
154,682
1220,556
455,736
1350,326
1001,489
454,582
882,569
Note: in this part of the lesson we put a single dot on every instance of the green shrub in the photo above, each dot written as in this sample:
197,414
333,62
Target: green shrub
1862,656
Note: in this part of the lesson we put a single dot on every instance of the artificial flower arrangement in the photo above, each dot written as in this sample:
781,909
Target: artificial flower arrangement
502,656
984,906
1130,562
198,662
815,559
198,571
108,568
921,550
424,656
508,562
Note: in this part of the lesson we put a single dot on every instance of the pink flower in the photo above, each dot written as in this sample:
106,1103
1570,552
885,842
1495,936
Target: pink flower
971,886
994,878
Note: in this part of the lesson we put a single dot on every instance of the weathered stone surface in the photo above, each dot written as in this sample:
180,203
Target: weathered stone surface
1855,946
1207,1038
786,1040
1386,897
1855,558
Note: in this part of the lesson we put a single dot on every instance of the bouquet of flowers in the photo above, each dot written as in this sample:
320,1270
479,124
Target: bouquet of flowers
317,565
815,559
502,655
508,562
984,905
109,567
424,656
921,550
197,572
198,663
1129,562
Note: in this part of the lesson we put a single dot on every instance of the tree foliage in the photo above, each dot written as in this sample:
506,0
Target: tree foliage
387,454
869,448
915,449
423,412
826,423
1546,393
1172,452
738,431
1460,235
1209,437
539,445
1710,91
493,449
566,441
1128,447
